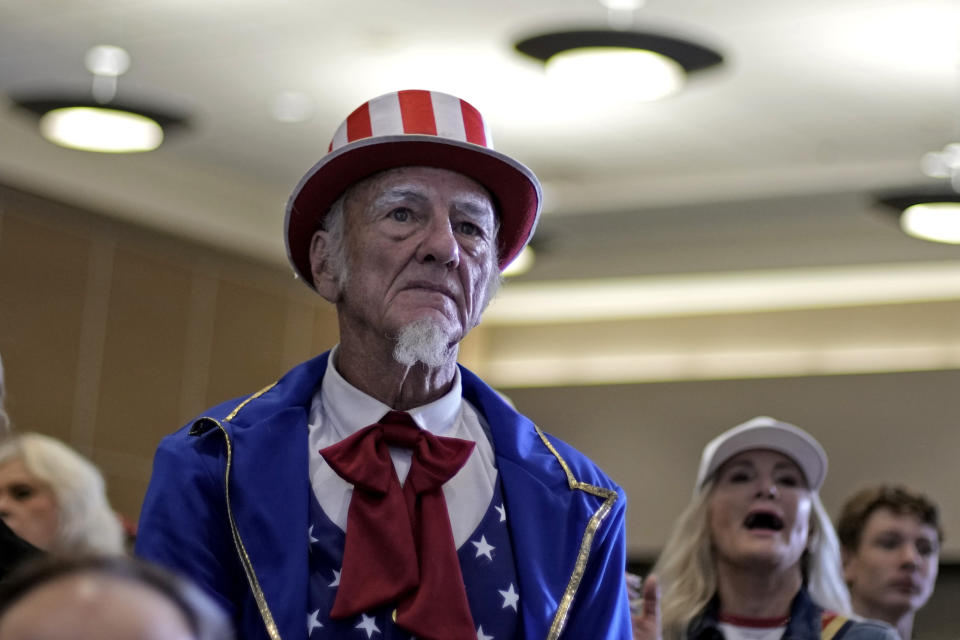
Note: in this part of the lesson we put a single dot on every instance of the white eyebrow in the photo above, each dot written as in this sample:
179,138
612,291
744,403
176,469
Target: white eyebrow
473,205
400,193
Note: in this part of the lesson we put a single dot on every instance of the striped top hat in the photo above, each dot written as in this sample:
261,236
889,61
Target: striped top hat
413,128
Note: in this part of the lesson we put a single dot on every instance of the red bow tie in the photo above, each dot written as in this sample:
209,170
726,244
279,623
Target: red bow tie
399,544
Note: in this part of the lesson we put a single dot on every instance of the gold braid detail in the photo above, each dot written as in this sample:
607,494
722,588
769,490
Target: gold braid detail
609,497
258,596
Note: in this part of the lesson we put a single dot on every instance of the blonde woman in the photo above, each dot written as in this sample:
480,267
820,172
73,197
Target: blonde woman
54,498
754,554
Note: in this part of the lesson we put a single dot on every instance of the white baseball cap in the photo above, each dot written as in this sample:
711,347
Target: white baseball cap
764,432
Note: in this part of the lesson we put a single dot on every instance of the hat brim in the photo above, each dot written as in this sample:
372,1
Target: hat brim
776,436
515,189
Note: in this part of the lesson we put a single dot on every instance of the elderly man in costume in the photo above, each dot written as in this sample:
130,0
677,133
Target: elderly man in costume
380,490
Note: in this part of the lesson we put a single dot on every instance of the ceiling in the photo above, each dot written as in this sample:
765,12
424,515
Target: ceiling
771,162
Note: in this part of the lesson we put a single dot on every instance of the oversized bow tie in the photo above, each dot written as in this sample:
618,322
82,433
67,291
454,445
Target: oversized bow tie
399,545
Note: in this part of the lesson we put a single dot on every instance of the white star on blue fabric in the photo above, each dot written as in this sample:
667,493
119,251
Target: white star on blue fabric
483,548
502,512
313,622
336,579
510,597
368,624
310,535
481,635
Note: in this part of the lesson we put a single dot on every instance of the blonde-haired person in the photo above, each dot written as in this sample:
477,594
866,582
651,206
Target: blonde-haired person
754,554
54,498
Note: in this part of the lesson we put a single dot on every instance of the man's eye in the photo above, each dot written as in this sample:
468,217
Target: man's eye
739,477
400,214
789,481
468,229
888,543
925,547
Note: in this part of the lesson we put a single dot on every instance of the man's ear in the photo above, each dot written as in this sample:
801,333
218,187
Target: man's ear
325,281
848,563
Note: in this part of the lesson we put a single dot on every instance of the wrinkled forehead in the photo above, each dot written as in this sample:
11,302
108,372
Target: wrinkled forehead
421,183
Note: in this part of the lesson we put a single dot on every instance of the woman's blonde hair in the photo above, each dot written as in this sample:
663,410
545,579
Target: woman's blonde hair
687,571
86,523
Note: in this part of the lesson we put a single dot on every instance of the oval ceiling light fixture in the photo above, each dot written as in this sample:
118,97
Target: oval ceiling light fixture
87,125
934,221
591,69
95,122
932,217
632,64
101,129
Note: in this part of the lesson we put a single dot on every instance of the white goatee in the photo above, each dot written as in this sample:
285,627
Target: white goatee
421,341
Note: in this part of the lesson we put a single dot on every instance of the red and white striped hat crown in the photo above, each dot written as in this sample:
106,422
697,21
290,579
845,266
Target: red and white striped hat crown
413,128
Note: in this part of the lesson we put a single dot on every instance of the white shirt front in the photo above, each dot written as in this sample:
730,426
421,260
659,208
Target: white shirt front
338,410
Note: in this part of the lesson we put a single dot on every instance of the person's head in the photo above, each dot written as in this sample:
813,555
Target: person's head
890,539
415,260
4,418
54,498
406,223
755,508
105,598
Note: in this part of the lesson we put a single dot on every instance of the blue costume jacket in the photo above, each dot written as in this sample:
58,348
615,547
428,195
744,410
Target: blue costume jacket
228,506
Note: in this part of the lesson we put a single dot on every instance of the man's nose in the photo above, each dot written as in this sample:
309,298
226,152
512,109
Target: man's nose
439,244
909,556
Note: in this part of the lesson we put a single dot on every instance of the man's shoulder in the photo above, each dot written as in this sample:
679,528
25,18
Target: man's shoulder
294,389
518,439
582,468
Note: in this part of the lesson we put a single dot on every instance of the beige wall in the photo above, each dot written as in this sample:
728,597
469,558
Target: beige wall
113,336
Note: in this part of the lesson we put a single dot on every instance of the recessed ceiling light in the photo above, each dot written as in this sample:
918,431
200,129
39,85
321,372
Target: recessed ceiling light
593,69
635,65
934,221
99,129
95,122
86,125
931,216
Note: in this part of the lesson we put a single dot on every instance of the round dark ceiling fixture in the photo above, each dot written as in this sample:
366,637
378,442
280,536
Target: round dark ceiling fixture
80,122
933,216
626,65
689,55
95,121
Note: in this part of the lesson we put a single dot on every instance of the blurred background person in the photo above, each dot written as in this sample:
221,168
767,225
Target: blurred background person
4,418
890,539
754,554
105,598
54,498
13,548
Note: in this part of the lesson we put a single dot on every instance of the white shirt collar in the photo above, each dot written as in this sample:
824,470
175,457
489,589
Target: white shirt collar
350,409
